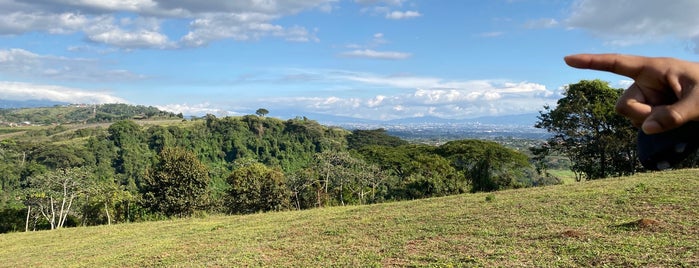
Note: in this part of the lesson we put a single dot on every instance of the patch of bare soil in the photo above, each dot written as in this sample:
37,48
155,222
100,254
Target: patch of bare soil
573,234
642,224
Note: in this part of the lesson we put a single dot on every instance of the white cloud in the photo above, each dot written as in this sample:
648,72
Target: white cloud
491,34
376,2
136,23
628,22
29,91
196,109
376,101
241,27
19,22
23,63
370,53
543,23
399,15
138,39
387,9
419,96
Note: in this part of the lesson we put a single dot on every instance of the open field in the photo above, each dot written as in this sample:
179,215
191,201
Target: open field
11,132
566,175
644,220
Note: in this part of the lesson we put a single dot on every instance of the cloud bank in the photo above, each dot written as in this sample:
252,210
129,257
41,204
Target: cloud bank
138,24
630,22
23,63
403,96
29,91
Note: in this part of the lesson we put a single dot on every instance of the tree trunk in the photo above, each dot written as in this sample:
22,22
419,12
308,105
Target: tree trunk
64,213
106,210
26,224
53,214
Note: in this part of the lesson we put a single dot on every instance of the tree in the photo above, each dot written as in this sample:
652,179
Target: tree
488,165
361,138
177,184
587,130
53,193
132,154
255,187
262,112
433,175
102,199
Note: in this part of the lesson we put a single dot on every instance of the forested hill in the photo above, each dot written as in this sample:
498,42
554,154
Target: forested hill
81,113
134,170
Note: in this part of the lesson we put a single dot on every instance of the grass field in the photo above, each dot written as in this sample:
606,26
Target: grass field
644,220
566,175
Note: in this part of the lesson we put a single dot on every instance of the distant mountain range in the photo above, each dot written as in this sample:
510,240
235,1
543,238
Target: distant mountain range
528,119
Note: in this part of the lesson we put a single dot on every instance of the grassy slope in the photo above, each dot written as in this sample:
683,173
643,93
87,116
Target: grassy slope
584,224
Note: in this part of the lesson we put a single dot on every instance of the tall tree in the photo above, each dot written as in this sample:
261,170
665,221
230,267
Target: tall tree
587,130
488,165
262,112
52,194
177,184
255,187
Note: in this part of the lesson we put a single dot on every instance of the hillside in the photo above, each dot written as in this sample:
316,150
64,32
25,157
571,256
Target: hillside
80,113
644,220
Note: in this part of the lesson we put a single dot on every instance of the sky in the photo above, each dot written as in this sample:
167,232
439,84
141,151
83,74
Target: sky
365,59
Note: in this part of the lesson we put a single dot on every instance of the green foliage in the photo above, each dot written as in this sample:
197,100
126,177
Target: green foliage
12,219
245,164
262,112
585,127
82,114
490,197
489,166
362,138
255,187
177,184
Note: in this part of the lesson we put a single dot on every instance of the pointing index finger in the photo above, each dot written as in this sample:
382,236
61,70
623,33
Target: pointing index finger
626,65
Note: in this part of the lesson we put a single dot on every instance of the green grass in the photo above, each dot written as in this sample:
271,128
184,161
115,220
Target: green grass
566,175
644,220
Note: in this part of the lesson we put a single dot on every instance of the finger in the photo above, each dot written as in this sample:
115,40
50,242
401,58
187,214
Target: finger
632,104
668,117
626,65
662,119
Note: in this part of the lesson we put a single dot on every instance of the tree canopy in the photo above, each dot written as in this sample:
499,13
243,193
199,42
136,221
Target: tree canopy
585,127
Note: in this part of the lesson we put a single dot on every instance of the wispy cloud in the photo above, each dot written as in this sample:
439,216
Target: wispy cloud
636,22
370,50
24,63
399,15
491,34
373,54
29,91
543,23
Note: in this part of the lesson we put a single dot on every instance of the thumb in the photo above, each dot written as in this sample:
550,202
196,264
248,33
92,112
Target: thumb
667,117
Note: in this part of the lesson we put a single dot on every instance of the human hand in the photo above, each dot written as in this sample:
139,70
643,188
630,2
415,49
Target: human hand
665,92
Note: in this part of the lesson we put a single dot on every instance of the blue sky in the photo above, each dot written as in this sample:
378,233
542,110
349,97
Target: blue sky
370,59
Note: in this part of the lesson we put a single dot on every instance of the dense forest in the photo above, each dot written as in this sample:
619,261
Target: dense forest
135,170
